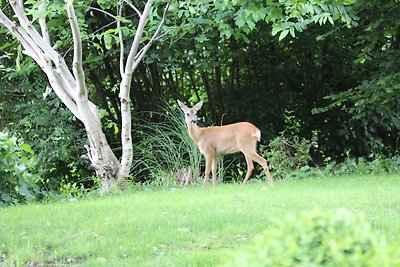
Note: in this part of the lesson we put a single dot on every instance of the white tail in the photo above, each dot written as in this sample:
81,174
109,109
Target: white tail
219,140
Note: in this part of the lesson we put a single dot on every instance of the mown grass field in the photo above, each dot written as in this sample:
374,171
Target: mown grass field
182,226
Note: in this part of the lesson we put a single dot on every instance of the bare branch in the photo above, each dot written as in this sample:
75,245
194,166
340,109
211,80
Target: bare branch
102,28
124,92
34,51
121,41
42,47
65,73
126,131
143,51
36,37
57,83
43,24
77,61
134,8
102,11
23,37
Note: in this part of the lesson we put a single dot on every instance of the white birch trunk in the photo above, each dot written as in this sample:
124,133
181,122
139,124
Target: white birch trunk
71,87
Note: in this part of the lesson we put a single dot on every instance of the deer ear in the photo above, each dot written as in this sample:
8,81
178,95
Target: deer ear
197,107
181,105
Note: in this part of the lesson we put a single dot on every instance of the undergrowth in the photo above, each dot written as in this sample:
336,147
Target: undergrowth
165,152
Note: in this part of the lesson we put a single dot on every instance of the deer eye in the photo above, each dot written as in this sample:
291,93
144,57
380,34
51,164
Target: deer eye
187,114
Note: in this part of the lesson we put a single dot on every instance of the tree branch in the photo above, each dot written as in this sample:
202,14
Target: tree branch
29,45
143,51
43,24
102,11
82,94
137,39
34,51
121,41
36,37
134,8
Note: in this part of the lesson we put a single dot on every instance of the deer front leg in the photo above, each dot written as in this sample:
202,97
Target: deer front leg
207,171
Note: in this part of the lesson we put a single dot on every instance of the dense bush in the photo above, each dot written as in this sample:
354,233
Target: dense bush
319,239
18,173
53,133
288,154
377,165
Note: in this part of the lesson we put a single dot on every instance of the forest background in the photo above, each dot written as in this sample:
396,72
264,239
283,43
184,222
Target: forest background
321,79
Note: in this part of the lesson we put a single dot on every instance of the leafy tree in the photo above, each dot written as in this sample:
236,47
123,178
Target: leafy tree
369,107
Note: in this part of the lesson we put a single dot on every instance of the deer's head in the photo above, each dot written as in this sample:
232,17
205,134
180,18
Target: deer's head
190,113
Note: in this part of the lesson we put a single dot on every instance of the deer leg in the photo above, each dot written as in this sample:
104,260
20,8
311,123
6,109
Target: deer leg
214,166
188,176
260,160
250,167
207,171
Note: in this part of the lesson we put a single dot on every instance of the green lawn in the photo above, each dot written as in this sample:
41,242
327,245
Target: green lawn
182,226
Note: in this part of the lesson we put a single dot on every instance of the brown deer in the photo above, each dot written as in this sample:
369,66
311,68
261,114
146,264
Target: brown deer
220,140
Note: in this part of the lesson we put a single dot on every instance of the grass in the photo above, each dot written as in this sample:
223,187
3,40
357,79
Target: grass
182,226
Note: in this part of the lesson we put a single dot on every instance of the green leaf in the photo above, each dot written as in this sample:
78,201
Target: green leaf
18,59
227,33
107,40
292,33
240,22
246,39
331,20
283,34
275,30
27,148
251,24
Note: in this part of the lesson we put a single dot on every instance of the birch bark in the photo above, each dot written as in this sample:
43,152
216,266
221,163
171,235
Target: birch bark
71,88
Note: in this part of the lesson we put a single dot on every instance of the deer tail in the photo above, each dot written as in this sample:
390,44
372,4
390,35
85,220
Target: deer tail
257,134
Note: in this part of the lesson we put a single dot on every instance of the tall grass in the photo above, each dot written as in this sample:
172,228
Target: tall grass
165,148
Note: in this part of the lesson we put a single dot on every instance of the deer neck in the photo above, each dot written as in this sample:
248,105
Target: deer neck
194,132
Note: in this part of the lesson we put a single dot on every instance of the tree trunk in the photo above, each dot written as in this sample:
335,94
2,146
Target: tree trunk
210,95
219,100
72,90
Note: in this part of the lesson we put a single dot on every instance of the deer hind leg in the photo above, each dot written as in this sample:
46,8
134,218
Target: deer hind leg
260,160
250,167
214,166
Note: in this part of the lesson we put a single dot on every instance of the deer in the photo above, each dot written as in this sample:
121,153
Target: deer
183,176
221,140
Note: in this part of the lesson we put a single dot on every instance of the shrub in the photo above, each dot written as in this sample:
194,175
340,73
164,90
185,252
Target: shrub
288,154
378,165
18,174
319,239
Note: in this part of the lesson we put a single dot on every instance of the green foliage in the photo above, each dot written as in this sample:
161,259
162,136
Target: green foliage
378,165
319,238
53,132
351,75
288,154
165,149
238,18
18,171
373,106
